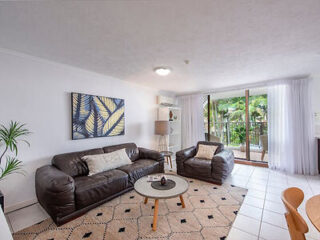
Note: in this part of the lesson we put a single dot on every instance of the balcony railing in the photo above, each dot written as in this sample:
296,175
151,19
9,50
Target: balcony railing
228,135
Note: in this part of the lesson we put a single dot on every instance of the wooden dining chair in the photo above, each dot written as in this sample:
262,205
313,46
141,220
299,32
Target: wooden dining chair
292,198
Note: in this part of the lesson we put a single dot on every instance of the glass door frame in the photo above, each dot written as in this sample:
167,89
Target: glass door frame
247,124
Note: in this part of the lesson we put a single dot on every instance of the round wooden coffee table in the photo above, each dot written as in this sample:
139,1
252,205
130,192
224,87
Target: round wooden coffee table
144,188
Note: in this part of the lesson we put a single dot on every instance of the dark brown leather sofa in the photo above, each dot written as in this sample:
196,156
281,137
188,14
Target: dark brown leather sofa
216,170
65,190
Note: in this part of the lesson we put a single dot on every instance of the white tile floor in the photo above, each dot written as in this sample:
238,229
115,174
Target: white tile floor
260,217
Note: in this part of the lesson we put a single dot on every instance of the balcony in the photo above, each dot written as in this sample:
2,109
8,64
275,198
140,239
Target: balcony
232,134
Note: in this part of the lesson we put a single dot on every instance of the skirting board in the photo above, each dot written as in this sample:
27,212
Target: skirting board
20,205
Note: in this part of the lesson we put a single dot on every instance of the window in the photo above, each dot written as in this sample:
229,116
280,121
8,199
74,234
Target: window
238,119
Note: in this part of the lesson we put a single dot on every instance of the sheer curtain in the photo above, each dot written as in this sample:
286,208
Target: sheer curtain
192,121
290,133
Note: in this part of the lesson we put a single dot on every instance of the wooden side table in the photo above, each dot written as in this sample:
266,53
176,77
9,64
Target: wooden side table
167,155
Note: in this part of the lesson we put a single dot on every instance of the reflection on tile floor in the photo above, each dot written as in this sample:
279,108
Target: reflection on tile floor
260,217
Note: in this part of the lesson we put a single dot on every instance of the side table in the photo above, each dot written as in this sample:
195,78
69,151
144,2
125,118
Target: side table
167,155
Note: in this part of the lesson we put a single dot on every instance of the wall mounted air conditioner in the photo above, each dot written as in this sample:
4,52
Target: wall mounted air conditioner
166,101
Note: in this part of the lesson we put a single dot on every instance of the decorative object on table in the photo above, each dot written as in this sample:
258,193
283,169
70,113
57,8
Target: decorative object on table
154,178
96,116
169,185
9,138
167,155
162,129
170,116
163,180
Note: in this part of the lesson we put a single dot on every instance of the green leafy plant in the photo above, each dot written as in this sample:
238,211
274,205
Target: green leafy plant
9,139
240,131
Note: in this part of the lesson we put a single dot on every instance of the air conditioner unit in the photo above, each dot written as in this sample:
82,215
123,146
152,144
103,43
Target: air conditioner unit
166,101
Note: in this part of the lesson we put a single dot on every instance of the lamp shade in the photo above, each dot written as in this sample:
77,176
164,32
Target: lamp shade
162,128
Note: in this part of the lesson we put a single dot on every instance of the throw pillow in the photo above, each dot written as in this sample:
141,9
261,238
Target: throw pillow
206,151
107,161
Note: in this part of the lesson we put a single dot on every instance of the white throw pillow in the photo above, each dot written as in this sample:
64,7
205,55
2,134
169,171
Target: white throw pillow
106,161
206,151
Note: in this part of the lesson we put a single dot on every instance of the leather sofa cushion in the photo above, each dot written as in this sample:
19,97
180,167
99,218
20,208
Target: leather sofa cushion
198,167
71,163
131,149
139,169
91,189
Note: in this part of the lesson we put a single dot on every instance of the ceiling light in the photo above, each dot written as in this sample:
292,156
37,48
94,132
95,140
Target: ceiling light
162,71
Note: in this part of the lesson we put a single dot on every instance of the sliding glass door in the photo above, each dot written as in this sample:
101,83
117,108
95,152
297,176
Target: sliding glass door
239,120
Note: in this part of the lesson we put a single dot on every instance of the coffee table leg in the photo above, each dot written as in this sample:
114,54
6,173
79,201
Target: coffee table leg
145,200
182,201
170,161
155,214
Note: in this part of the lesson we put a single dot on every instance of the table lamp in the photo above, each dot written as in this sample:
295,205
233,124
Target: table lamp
162,129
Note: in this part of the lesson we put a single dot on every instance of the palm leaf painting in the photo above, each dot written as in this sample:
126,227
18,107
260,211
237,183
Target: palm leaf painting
95,116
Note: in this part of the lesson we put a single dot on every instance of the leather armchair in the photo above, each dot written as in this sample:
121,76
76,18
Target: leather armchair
215,170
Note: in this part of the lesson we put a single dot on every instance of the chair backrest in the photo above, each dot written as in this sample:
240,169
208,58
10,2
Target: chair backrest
214,138
292,198
264,142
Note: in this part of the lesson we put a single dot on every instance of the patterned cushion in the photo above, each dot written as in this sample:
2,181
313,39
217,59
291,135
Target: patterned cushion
206,151
107,161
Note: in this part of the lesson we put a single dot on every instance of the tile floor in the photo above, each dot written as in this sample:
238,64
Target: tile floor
260,217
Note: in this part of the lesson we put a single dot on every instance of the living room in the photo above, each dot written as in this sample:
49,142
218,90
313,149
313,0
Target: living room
98,97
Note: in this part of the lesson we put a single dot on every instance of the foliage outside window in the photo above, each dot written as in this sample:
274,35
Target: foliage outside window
227,119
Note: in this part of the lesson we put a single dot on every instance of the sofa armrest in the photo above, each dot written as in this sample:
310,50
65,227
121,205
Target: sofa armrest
222,165
55,191
182,156
185,154
150,154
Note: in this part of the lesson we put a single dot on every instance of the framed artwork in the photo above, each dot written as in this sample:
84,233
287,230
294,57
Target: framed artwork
96,116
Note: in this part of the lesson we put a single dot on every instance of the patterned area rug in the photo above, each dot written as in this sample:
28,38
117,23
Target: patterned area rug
209,213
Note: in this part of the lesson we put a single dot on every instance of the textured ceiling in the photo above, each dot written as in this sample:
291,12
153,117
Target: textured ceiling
227,42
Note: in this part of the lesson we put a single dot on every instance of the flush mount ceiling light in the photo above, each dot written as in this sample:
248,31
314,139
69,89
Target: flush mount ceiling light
162,71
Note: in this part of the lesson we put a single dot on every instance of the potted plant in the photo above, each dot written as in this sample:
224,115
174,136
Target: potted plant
9,139
241,134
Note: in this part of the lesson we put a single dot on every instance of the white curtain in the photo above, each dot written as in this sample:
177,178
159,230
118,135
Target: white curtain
192,121
291,141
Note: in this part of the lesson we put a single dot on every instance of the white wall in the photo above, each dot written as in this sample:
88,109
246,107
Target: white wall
37,92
